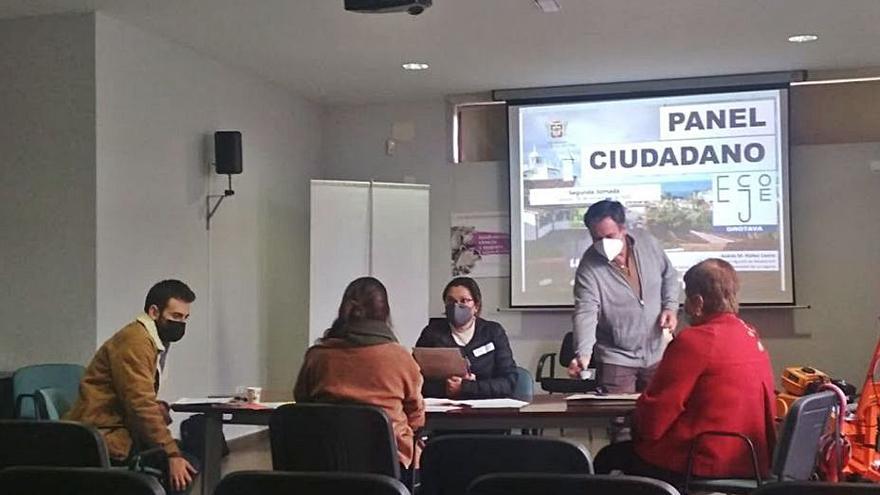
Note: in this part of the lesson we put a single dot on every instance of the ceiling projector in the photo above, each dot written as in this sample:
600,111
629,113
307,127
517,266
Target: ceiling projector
411,7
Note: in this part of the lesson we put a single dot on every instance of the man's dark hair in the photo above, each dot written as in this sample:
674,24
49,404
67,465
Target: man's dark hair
162,292
469,284
605,209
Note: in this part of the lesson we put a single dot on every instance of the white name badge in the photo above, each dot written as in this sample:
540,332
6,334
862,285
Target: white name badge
479,351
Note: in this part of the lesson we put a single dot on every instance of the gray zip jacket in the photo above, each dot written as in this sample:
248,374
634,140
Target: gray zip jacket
610,321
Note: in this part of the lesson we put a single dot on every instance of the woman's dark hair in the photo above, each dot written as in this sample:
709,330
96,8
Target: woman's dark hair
165,290
469,284
715,280
606,208
365,298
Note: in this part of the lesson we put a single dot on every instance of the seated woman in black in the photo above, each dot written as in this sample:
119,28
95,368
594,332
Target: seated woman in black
484,343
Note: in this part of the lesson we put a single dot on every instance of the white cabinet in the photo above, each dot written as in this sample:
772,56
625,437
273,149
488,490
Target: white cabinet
370,228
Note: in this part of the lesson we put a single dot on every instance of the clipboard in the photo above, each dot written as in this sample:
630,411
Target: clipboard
440,362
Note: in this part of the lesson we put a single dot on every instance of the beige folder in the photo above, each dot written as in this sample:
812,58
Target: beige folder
440,362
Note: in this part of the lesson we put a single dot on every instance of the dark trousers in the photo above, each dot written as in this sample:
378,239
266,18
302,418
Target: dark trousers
622,457
617,379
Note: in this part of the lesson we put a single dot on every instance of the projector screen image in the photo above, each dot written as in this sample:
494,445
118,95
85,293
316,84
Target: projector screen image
705,174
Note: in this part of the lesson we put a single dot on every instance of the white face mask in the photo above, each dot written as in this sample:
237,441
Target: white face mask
609,248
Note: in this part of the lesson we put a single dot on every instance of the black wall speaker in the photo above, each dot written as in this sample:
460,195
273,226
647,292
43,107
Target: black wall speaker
227,152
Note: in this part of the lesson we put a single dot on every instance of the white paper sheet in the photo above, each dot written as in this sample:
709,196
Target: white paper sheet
476,403
441,409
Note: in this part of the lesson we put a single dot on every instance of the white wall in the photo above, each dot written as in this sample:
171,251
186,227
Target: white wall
834,198
836,231
158,105
47,183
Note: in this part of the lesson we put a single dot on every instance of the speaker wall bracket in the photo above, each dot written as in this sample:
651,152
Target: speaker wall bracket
211,210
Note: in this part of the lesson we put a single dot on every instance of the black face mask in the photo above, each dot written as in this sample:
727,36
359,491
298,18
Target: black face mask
169,330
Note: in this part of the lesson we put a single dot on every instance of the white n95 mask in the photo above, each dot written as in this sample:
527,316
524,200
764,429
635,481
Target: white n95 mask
609,248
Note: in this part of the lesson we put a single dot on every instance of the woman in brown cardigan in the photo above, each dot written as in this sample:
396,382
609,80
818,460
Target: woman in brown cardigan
359,360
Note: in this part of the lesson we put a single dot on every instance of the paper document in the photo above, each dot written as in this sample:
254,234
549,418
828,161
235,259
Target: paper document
441,408
631,397
203,400
274,405
440,362
476,403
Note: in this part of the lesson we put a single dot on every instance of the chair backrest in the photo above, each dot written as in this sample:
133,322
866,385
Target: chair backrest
26,381
76,481
451,463
525,385
798,443
567,484
51,443
285,483
52,403
333,437
817,488
566,350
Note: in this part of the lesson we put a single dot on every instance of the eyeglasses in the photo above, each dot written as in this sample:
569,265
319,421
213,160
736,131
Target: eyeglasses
463,300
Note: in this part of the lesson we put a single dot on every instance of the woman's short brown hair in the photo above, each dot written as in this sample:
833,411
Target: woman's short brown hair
716,281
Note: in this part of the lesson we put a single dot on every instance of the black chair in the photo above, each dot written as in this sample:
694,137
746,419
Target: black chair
451,463
561,385
794,458
281,483
51,443
333,437
817,488
567,484
76,481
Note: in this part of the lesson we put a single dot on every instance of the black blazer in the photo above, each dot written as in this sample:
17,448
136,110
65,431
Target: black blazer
495,369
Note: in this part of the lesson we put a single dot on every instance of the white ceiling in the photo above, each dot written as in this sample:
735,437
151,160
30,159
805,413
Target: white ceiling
320,51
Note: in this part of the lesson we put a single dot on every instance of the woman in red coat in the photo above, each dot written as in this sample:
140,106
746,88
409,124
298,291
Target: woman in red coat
715,376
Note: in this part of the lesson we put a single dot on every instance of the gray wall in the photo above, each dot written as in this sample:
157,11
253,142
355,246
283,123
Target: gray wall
47,184
834,198
158,106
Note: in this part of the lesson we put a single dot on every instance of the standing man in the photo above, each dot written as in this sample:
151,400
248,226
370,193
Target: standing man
625,296
118,391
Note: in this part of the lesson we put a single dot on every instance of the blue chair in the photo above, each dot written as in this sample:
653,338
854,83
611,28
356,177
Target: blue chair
525,386
52,403
285,483
76,481
26,381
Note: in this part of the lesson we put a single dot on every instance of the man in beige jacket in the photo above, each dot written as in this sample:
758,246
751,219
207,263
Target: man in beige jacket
118,392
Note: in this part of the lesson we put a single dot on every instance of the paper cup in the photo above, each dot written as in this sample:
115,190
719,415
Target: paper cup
253,394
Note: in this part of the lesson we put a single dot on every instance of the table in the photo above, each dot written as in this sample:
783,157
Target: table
545,411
